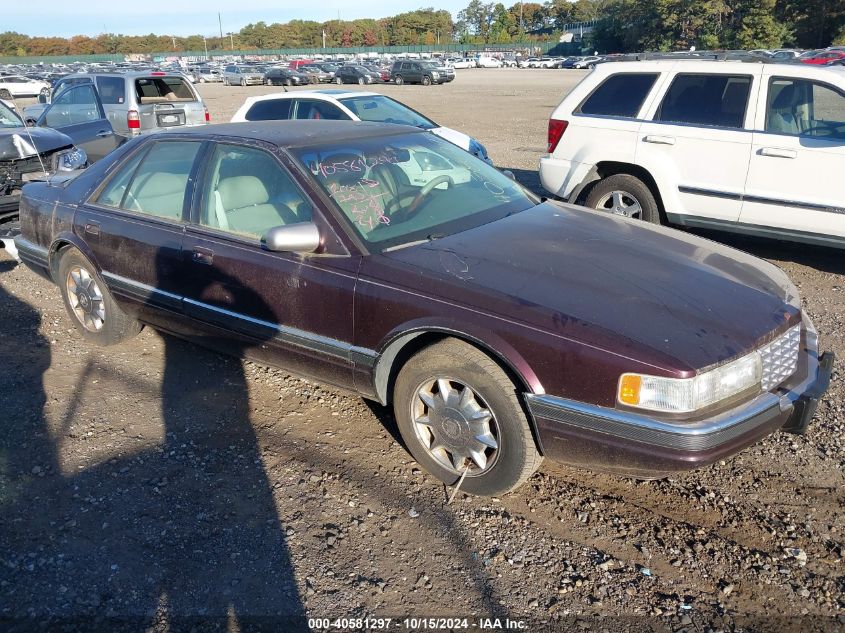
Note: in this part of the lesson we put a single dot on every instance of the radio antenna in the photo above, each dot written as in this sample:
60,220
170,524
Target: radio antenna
31,140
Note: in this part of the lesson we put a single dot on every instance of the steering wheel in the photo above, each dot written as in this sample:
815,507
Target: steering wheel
828,129
413,208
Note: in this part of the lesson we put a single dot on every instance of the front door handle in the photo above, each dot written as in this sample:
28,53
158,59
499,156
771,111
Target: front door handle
104,133
659,140
775,152
92,228
203,256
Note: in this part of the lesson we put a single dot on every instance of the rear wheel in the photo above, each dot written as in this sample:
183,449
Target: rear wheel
625,195
90,304
5,94
458,413
338,80
398,80
426,80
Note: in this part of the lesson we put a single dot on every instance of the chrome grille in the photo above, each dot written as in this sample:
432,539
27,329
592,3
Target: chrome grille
780,358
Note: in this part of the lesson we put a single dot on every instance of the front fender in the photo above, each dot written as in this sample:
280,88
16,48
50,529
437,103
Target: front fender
402,336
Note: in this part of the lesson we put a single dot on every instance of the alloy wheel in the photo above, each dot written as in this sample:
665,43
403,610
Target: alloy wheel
621,203
455,426
86,299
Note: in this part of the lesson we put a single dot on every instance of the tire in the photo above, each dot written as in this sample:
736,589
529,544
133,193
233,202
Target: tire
426,80
361,81
601,197
243,82
202,80
515,456
398,80
338,80
591,66
116,325
288,82
5,94
225,81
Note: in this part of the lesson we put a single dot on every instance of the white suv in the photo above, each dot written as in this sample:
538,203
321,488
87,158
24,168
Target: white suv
749,148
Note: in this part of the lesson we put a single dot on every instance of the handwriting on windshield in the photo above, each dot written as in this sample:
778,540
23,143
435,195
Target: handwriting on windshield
362,202
359,164
497,191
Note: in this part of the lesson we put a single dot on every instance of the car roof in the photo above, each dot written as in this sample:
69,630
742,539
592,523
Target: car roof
295,133
326,95
715,66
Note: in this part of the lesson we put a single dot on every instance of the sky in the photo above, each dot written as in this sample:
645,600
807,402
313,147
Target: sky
63,18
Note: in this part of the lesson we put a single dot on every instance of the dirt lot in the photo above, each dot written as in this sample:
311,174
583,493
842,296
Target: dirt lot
159,486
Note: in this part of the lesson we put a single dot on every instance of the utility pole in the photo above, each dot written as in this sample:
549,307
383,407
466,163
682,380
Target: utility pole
220,24
231,41
205,44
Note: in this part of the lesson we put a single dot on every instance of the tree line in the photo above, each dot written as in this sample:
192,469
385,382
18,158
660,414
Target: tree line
624,26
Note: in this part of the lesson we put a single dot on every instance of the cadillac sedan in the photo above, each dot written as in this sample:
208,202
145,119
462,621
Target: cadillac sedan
502,328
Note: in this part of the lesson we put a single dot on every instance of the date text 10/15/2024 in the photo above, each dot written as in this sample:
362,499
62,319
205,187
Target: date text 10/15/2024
416,624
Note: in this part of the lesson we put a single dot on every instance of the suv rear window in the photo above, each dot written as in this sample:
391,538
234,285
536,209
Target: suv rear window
620,95
270,110
713,100
161,89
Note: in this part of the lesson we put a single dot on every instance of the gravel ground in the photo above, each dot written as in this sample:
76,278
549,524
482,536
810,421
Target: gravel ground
158,486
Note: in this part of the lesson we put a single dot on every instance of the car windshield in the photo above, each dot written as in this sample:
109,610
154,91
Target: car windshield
8,118
381,109
407,188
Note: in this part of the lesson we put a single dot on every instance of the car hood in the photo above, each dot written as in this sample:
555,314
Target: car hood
453,136
614,283
16,143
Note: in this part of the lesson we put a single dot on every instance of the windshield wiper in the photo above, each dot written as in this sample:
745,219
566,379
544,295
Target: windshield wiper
428,238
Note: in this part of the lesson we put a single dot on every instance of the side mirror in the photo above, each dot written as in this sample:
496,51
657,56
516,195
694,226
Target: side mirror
30,122
509,174
302,237
42,98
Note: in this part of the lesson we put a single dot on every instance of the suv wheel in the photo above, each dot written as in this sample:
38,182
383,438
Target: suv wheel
338,80
625,195
361,81
243,82
5,94
398,80
458,412
426,80
90,304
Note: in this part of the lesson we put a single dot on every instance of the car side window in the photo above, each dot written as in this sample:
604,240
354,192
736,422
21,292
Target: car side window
159,184
620,95
706,99
111,90
75,105
270,110
112,194
247,192
800,107
307,109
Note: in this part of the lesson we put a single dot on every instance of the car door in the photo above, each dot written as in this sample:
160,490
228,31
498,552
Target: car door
797,153
697,143
79,113
292,309
133,226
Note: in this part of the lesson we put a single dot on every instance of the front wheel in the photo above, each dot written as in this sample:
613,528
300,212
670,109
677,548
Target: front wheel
5,94
243,82
625,195
398,80
361,81
458,412
426,80
90,304
338,80
288,82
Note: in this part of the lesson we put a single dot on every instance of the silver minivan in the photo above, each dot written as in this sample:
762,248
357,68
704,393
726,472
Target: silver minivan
136,102
241,75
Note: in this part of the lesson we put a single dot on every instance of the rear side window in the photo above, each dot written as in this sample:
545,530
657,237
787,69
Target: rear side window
319,110
111,90
621,95
270,110
162,89
159,184
711,100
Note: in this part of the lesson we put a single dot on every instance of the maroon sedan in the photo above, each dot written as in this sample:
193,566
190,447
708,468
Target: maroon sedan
501,327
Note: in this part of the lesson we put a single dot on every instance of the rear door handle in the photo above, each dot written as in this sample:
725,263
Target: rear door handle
92,228
659,140
775,152
104,133
203,256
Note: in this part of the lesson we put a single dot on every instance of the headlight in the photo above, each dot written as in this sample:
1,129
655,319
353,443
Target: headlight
687,395
435,75
70,159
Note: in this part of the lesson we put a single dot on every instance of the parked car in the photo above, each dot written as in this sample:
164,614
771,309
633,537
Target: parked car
526,62
416,72
279,76
316,75
822,57
296,64
13,86
241,75
206,75
136,102
355,74
738,147
487,318
545,62
509,62
353,106
589,62
463,63
484,61
73,132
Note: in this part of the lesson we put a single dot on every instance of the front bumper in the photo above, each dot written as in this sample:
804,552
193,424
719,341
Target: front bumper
640,446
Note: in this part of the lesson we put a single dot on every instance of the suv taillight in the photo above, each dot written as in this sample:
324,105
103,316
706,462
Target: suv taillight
556,130
133,120
207,115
